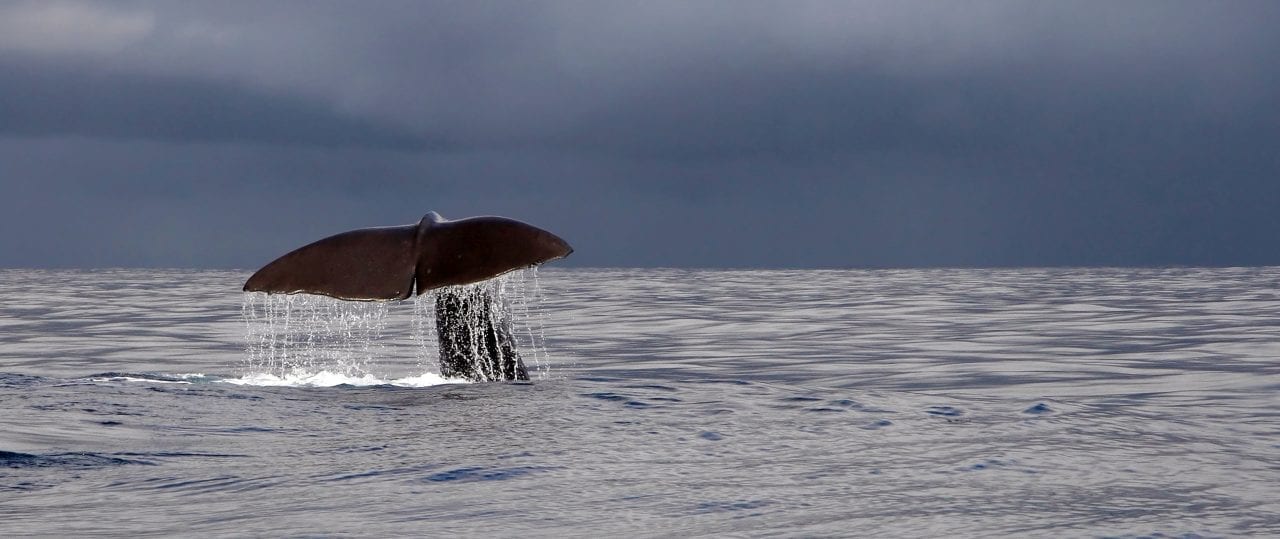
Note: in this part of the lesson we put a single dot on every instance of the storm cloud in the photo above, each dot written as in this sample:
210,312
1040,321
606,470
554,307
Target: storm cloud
744,134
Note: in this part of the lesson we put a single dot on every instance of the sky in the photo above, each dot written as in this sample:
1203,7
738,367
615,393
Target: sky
789,134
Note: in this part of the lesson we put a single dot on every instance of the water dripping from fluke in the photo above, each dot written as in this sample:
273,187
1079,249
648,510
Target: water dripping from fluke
453,335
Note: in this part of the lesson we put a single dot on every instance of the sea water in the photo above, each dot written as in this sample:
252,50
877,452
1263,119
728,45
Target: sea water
908,403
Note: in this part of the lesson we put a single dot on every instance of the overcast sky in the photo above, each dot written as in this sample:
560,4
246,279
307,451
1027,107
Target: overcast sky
696,133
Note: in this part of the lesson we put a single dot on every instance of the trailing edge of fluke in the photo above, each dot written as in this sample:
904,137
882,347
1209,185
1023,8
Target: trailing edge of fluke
391,263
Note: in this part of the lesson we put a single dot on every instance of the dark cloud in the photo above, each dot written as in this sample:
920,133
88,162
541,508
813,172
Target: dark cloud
74,99
774,134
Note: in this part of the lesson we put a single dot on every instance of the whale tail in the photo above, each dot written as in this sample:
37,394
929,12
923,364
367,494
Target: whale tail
393,263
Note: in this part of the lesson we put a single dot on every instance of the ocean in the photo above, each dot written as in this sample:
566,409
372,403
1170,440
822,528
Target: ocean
1110,402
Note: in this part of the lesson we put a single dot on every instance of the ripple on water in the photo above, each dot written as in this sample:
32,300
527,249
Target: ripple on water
10,459
878,424
895,403
944,411
1039,408
730,506
477,473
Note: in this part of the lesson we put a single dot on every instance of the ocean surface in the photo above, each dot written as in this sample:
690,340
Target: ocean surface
903,403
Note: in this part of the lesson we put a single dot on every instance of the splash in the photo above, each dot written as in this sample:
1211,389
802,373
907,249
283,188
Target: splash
309,340
326,378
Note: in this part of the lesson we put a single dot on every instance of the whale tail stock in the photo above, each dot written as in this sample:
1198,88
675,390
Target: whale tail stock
393,263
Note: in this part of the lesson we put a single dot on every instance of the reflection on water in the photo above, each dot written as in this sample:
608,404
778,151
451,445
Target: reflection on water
1041,402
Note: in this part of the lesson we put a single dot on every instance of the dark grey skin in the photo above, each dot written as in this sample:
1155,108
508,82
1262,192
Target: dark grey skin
395,262
470,328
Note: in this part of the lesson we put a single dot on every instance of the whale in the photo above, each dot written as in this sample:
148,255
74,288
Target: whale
393,263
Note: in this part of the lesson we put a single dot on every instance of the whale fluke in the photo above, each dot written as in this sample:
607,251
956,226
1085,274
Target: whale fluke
392,263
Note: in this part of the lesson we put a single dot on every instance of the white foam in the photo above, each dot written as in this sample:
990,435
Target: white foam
326,378
101,379
427,379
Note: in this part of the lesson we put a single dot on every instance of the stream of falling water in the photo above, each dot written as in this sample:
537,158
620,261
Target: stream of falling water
304,339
